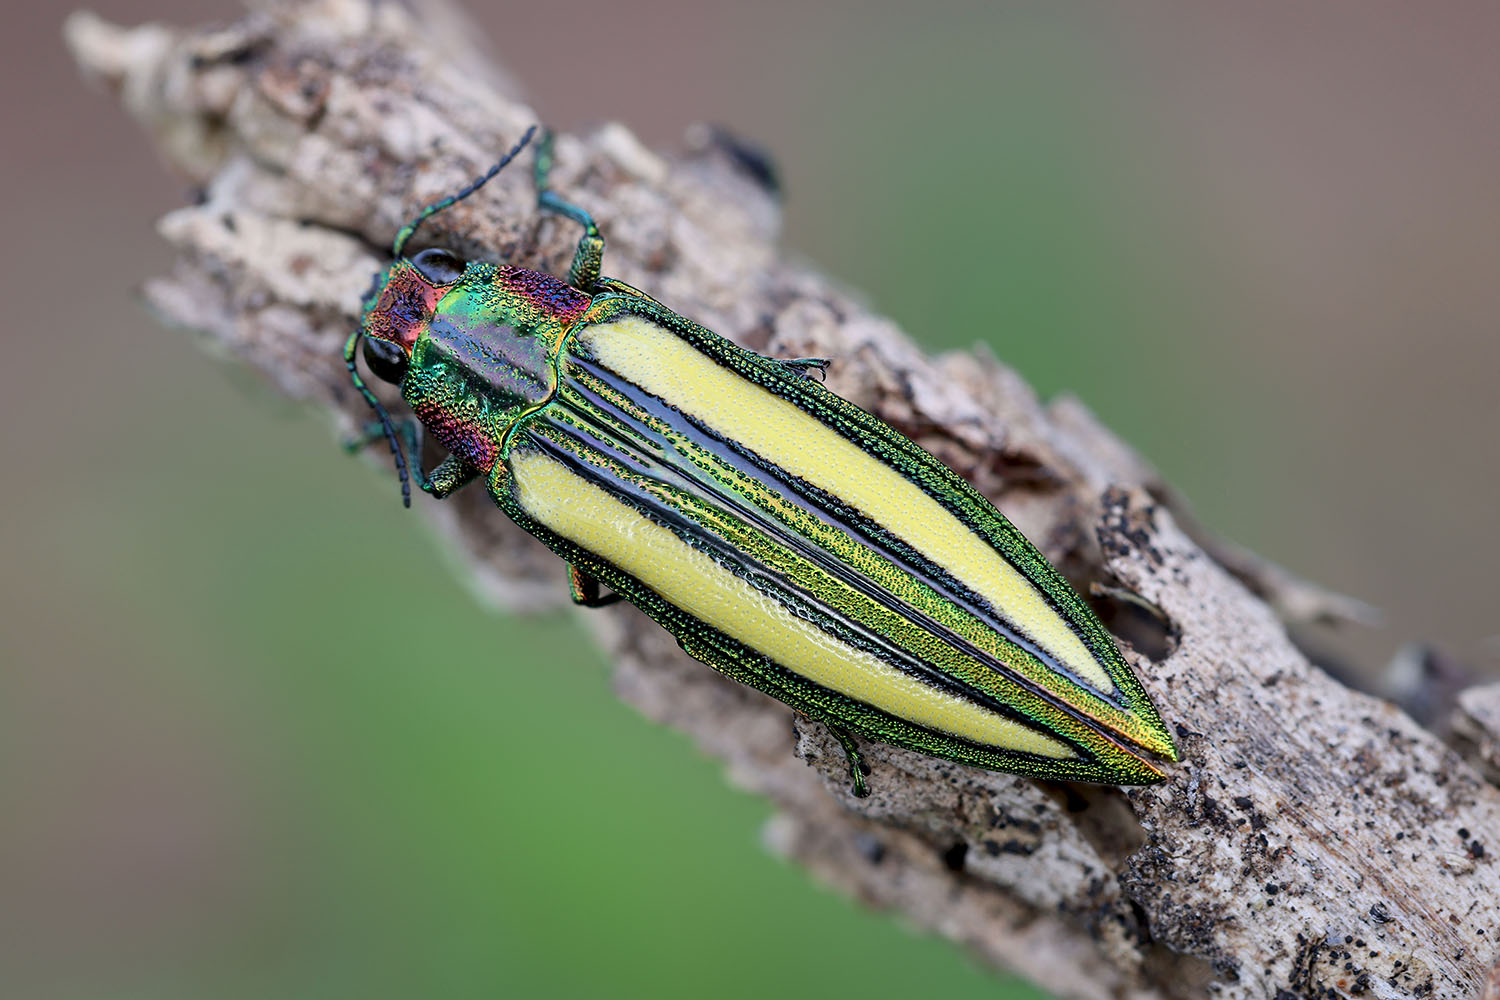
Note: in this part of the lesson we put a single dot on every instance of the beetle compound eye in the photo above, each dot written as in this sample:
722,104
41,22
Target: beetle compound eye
438,266
387,362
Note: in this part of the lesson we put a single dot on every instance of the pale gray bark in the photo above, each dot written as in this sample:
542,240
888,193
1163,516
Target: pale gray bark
1315,841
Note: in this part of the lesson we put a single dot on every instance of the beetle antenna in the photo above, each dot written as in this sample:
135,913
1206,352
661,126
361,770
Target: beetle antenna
351,349
411,227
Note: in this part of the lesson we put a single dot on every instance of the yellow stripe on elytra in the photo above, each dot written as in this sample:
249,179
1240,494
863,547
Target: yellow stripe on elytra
663,364
689,579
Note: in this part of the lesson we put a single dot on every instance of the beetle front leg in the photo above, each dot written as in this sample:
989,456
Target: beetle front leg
373,432
450,474
589,257
616,285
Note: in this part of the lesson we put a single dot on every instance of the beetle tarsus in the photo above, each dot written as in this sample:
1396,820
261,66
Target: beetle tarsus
451,473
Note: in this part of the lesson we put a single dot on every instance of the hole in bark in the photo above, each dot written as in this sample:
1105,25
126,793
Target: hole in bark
1075,801
1137,621
1142,923
1103,817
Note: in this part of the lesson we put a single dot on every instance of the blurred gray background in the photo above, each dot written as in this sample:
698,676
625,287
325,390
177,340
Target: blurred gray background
1260,241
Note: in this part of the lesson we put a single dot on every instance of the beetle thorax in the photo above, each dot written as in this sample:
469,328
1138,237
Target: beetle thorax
486,357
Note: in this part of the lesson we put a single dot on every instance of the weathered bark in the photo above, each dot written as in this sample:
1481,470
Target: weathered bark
1315,841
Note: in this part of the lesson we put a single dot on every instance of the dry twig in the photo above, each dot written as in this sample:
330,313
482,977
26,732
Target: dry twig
1314,842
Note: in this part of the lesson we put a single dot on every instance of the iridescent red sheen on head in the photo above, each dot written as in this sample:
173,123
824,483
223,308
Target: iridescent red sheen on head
405,307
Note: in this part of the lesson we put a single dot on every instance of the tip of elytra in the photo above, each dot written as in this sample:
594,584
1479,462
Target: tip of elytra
1156,737
1141,772
1167,749
1156,740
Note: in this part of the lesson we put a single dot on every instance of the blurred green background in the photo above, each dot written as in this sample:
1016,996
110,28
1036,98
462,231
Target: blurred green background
1260,242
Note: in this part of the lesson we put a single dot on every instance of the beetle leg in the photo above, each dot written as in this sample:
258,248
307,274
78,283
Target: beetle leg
587,259
407,429
451,474
805,366
857,766
373,432
584,590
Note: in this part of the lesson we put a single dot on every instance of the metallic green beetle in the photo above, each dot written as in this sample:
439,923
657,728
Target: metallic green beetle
783,535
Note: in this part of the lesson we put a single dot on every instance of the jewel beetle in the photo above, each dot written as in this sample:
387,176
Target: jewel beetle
784,536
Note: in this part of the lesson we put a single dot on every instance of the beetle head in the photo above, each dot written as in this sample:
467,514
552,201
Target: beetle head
400,305
403,303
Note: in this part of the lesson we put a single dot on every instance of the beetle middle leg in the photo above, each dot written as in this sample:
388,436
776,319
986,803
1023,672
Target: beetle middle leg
584,589
451,474
857,766
858,769
589,257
